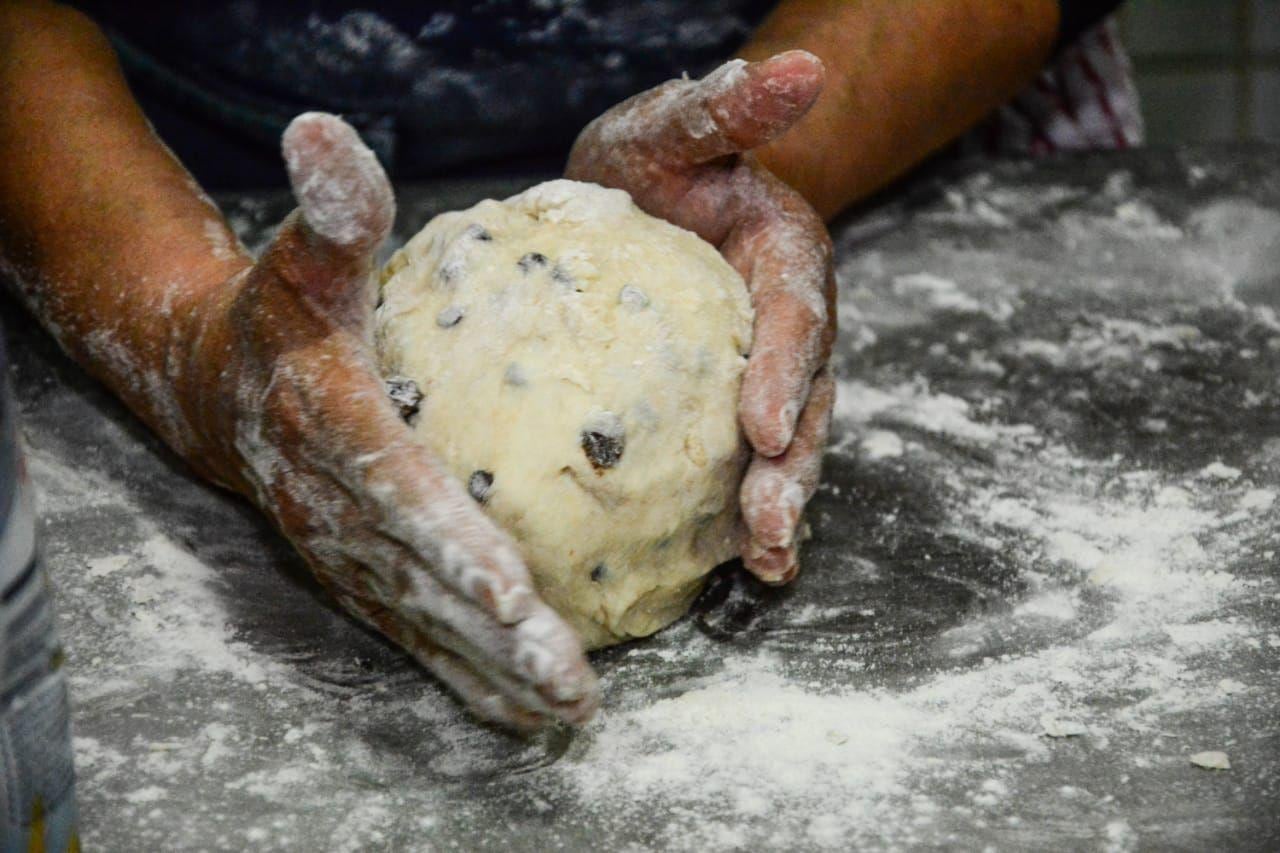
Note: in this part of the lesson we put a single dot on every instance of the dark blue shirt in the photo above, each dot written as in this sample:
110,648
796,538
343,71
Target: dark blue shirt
433,86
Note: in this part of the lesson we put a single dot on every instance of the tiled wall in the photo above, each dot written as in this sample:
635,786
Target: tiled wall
1206,69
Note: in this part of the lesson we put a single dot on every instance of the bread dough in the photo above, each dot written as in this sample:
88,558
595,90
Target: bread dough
580,363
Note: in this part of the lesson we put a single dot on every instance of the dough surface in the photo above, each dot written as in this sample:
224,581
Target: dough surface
580,363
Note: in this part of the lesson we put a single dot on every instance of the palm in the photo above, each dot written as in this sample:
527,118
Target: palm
683,151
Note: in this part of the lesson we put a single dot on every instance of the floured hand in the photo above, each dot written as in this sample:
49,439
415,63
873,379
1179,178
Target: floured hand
293,413
683,152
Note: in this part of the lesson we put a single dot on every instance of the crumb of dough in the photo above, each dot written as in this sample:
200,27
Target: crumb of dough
1053,727
1211,760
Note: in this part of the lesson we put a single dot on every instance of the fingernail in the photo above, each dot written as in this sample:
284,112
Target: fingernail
512,604
777,533
783,565
570,686
797,83
579,705
773,433
798,53
534,662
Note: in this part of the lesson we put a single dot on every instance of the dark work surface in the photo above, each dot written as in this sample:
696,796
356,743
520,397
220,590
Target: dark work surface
1049,507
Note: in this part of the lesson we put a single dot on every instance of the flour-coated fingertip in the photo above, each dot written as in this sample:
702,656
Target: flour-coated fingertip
341,188
583,710
502,712
768,441
795,75
511,603
309,132
774,566
574,684
573,698
799,62
769,427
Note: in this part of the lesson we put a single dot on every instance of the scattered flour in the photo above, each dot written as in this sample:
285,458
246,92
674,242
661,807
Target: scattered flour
882,444
1258,499
1144,221
103,566
1218,471
764,754
935,293
911,406
175,617
149,794
1133,587
1055,727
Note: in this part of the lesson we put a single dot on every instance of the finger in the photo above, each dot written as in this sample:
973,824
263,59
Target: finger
464,574
432,594
445,576
430,515
776,489
739,106
516,689
533,666
482,698
324,250
536,664
786,262
774,566
342,191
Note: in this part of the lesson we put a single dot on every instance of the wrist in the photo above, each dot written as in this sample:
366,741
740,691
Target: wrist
199,363
144,336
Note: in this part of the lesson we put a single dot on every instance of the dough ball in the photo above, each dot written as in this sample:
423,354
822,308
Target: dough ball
580,363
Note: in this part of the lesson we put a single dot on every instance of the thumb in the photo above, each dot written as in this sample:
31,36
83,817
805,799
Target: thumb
325,249
737,107
342,191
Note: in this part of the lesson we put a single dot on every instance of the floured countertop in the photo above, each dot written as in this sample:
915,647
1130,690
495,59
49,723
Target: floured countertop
1043,576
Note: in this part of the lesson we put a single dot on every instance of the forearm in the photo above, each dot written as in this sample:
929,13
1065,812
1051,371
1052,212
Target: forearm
904,78
106,236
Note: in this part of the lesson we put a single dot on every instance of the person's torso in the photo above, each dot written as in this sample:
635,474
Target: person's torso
430,85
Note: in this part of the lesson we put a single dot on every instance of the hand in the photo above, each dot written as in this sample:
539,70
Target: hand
683,152
291,411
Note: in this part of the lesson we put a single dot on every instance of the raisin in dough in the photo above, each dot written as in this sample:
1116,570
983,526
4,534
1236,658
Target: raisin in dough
580,363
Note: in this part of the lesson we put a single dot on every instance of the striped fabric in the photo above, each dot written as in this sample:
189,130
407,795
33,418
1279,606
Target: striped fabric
1083,100
37,787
